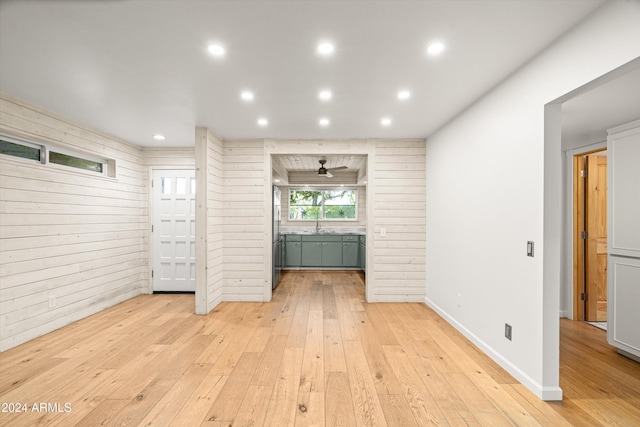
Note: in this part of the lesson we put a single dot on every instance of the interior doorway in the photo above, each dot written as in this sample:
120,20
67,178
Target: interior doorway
590,236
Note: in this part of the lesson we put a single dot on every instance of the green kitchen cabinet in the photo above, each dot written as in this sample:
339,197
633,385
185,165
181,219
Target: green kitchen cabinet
311,254
332,254
292,251
350,254
321,250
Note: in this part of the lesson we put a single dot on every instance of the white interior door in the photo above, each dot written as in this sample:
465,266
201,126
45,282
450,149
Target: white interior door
174,231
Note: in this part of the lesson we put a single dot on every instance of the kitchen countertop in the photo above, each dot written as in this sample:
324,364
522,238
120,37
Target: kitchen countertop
323,232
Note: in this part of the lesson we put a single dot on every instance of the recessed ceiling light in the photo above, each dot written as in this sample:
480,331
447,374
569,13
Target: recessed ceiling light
435,48
404,94
325,48
263,122
324,122
325,95
216,50
158,137
246,95
276,180
385,121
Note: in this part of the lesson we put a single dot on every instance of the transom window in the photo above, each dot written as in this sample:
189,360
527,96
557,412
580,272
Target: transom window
45,155
24,150
323,205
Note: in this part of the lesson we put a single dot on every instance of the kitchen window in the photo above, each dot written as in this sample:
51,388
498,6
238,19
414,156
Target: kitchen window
323,205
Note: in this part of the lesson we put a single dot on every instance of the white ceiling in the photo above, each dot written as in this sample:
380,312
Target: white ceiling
135,68
587,116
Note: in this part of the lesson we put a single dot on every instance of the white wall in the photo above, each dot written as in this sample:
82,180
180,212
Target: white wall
494,182
77,237
397,181
209,207
246,214
157,157
214,221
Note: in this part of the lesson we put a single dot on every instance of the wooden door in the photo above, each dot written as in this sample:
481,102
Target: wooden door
596,238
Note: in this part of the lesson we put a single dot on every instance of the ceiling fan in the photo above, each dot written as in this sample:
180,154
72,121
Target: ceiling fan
326,171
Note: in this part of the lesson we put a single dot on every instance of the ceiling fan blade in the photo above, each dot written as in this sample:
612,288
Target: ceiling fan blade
337,168
328,174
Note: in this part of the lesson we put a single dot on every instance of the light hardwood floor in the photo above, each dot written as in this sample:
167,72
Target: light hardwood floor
316,355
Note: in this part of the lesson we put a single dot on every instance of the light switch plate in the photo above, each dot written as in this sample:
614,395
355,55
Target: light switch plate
530,248
383,232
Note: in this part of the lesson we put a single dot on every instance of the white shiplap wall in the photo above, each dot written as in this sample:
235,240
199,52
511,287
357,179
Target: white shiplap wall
214,221
175,158
244,221
75,236
399,206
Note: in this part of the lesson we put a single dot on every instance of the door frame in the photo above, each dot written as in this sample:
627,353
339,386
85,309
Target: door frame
572,236
150,260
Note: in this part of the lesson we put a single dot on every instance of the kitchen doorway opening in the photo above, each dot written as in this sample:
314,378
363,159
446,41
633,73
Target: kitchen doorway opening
342,241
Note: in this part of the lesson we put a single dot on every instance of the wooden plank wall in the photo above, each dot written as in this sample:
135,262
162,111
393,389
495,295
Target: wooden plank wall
71,235
169,157
214,221
399,198
244,221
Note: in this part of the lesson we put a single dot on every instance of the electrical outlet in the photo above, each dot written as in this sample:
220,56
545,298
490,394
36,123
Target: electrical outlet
52,301
383,232
507,331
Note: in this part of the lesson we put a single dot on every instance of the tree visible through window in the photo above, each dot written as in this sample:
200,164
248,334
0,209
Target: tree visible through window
322,204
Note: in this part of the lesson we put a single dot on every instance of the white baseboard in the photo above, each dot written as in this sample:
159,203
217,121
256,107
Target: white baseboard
543,393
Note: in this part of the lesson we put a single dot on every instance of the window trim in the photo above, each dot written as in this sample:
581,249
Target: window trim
323,189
